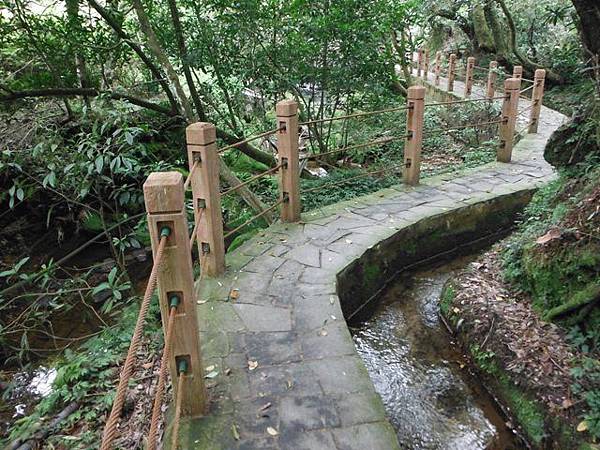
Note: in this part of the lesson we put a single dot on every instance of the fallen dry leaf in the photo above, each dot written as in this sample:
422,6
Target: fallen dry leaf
234,294
272,431
583,426
554,233
235,433
252,365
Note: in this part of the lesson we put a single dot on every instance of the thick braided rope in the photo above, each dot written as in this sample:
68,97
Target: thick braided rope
196,225
175,432
160,387
110,429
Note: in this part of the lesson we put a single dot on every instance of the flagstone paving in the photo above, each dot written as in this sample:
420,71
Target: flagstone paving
289,376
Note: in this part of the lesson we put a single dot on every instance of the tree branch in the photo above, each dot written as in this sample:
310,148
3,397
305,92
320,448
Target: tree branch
114,24
84,92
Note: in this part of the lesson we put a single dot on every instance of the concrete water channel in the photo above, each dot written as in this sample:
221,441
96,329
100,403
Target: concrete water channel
289,375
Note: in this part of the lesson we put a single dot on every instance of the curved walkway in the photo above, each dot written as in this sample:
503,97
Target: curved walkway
285,371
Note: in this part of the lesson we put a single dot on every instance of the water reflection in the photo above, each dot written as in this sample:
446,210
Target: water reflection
431,401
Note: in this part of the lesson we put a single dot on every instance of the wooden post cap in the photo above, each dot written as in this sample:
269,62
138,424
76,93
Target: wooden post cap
471,60
512,84
540,73
493,64
201,133
287,108
163,192
416,93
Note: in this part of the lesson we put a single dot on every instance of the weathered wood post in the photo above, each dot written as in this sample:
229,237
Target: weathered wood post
419,62
165,205
202,150
536,98
512,87
414,134
491,81
518,72
451,69
438,67
469,76
289,173
426,64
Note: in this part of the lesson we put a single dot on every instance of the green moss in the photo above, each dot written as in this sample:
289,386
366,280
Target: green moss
448,296
580,298
528,413
371,274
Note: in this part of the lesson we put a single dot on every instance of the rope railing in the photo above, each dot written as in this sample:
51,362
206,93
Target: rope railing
250,180
167,218
462,127
250,139
255,217
182,370
521,131
162,375
527,89
347,180
110,429
196,225
352,116
527,108
471,100
188,180
375,142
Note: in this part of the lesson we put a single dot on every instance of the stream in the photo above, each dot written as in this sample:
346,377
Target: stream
431,399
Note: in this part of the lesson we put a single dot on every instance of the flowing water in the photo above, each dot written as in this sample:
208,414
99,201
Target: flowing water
431,399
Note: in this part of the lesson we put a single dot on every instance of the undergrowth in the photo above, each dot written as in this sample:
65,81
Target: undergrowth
87,376
561,272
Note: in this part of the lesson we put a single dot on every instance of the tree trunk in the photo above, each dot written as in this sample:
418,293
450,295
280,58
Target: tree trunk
160,55
156,72
483,33
251,200
497,29
528,65
400,49
589,20
72,7
184,57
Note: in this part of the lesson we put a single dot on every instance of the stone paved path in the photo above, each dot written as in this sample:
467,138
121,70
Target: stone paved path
289,376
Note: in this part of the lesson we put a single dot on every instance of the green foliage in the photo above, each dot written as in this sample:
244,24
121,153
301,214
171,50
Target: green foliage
483,359
87,376
586,374
528,412
116,286
326,193
448,295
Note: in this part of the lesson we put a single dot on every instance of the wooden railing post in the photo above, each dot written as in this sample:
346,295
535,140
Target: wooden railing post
536,97
512,87
451,69
426,64
469,76
419,62
414,134
518,72
202,150
438,67
491,81
287,147
164,198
